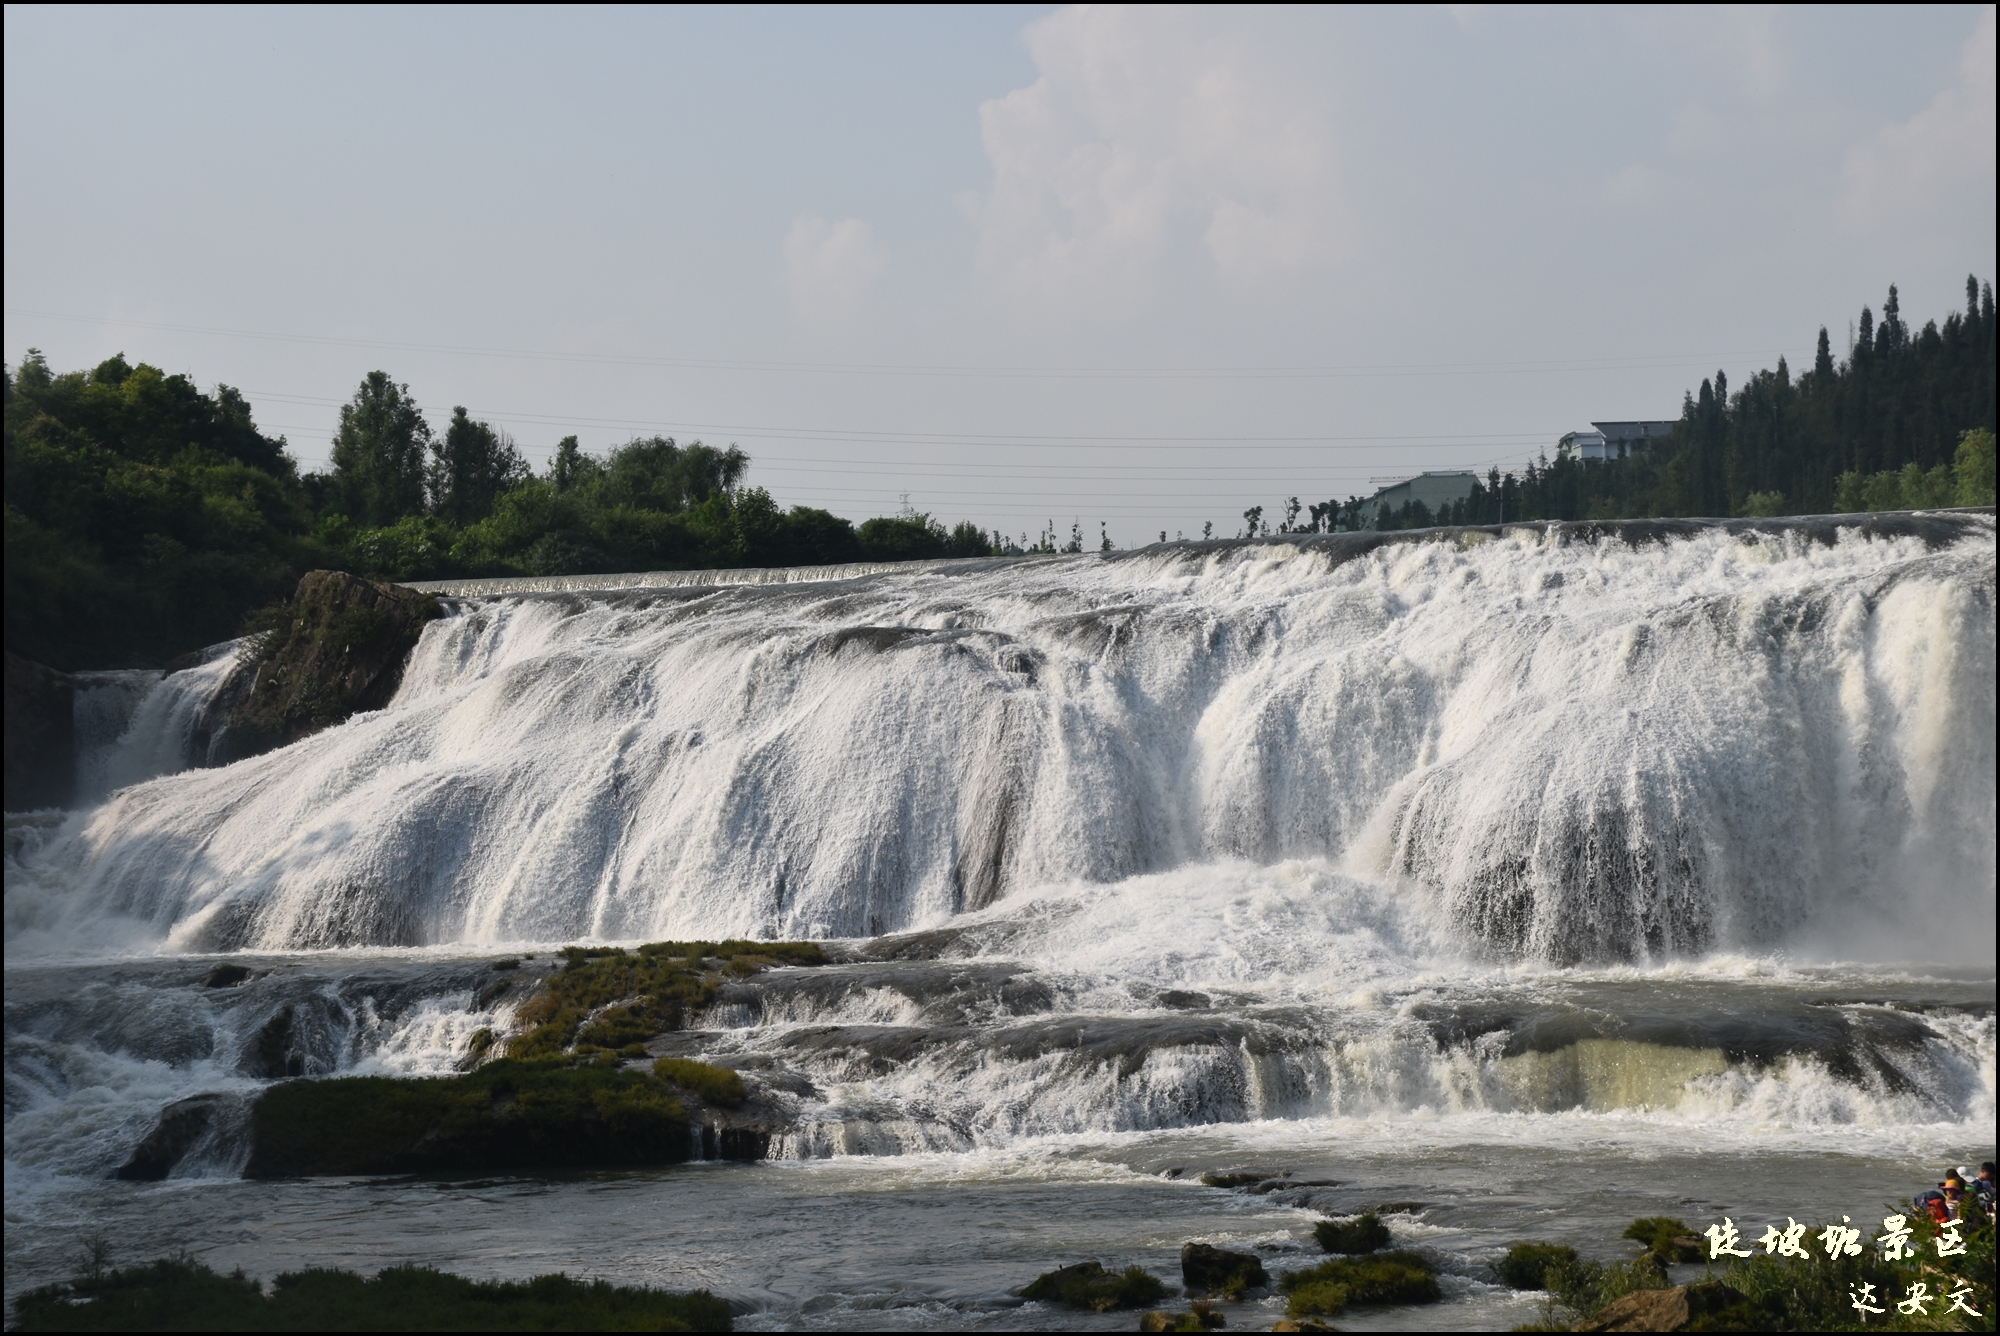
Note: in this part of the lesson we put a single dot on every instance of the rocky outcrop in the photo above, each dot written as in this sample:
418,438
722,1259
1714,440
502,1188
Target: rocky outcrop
41,736
183,1125
338,648
505,1117
1665,1310
1206,1269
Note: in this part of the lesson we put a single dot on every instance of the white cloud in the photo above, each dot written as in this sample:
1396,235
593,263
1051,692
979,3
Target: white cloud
1938,164
1153,132
830,266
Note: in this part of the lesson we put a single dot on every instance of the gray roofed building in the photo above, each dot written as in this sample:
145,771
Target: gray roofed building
1435,488
1630,438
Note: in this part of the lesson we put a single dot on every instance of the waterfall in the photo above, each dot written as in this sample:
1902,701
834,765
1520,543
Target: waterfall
1551,743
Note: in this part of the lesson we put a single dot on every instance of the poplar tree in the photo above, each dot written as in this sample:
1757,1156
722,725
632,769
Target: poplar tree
470,467
379,453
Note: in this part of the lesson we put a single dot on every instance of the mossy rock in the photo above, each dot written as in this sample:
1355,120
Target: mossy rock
1206,1269
1526,1265
508,1114
336,649
606,998
1344,1282
187,1296
1365,1234
1666,1238
1087,1285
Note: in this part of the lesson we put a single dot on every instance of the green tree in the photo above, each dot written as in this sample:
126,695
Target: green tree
900,538
471,466
1973,466
571,468
379,453
969,540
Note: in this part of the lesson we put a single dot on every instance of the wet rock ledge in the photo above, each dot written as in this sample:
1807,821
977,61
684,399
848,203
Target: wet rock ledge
575,1084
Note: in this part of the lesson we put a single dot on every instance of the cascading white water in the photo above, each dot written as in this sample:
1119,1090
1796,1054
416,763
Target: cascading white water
1558,746
135,724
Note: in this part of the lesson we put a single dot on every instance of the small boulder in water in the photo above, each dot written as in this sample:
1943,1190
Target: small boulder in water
1206,1269
1526,1265
182,1124
1236,1178
226,976
1363,1234
1088,1285
275,1050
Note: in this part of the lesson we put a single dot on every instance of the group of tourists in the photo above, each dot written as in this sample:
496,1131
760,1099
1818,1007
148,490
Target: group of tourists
1946,1201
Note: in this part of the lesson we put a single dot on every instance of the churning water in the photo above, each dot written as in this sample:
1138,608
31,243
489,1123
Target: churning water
1475,867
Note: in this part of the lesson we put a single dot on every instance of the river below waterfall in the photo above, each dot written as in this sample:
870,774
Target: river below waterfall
1517,883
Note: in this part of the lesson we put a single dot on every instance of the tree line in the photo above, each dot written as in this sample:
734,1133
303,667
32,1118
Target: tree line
145,518
1904,421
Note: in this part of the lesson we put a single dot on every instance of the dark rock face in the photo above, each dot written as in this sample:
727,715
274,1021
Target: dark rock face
1205,1268
182,1124
341,651
41,736
272,1051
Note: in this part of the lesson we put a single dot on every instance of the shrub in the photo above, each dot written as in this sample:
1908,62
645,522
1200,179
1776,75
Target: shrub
716,1085
1366,1234
1526,1265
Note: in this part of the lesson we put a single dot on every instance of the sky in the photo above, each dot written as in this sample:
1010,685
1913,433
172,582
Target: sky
1134,270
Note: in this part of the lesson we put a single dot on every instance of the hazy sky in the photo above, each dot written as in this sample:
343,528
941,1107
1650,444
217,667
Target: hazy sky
1146,267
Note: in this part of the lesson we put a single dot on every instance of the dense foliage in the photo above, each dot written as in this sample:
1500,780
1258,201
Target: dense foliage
1905,421
183,1295
1814,1292
145,518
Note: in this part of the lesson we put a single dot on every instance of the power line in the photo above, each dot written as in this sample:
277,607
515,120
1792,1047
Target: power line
1534,366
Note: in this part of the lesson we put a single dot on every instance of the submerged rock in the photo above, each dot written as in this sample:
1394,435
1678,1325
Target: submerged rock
339,649
227,976
277,1049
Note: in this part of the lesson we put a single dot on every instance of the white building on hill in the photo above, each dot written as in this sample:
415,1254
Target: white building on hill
1611,440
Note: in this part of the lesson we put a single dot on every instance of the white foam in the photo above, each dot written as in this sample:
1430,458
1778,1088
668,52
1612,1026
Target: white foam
1522,749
